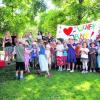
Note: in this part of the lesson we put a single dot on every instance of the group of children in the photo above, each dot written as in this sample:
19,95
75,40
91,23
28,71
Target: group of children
60,54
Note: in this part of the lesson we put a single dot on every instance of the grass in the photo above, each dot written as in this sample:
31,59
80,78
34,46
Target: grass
62,86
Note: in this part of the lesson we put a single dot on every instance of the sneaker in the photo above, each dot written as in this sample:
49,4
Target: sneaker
94,71
49,76
64,69
68,69
61,69
83,72
21,78
86,71
90,70
58,69
72,71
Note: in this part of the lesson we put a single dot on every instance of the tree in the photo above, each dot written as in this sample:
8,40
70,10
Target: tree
18,14
50,20
80,11
69,12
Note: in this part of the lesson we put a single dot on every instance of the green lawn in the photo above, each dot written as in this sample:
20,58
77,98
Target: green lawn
62,86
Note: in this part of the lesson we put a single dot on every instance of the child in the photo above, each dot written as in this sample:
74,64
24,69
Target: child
84,57
78,55
53,54
34,54
43,63
71,57
20,66
59,54
65,55
98,57
27,52
92,56
48,54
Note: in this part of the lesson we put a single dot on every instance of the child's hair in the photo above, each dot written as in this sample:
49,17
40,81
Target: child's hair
85,43
27,42
92,43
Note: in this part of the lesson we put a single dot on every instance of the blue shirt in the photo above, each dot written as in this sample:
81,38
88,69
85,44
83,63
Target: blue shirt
42,50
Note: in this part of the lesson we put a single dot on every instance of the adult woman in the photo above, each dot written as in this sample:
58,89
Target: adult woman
7,46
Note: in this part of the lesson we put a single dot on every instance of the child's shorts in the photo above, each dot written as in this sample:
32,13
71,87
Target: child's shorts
20,66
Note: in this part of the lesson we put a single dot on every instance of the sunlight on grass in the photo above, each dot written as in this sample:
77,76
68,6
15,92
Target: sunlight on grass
28,89
62,86
83,87
30,77
21,98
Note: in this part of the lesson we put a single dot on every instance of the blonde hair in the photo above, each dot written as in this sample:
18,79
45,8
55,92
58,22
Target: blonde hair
7,34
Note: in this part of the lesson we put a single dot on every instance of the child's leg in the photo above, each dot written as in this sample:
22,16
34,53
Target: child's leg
60,68
27,66
73,65
86,66
94,65
49,61
21,74
64,67
17,69
48,73
83,66
17,74
68,66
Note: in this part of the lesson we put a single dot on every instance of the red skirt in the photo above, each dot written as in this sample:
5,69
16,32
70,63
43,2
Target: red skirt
59,61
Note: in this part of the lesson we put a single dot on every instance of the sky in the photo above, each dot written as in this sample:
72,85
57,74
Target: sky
1,5
49,4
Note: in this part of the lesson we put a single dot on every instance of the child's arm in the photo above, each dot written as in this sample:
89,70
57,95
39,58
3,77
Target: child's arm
86,51
14,52
3,45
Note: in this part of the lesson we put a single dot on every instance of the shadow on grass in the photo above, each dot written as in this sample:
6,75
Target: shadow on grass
62,86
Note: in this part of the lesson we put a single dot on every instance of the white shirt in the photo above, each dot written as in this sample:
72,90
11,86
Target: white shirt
84,52
60,49
39,37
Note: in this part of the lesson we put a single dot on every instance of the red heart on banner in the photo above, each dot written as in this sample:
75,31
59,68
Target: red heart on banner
67,31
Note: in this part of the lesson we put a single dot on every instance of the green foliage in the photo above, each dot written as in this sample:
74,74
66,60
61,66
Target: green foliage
50,20
17,14
69,12
79,11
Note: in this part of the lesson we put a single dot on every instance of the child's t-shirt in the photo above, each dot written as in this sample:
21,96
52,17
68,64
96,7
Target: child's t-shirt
60,49
19,53
65,53
84,52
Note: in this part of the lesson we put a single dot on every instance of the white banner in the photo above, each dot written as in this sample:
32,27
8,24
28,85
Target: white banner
84,31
